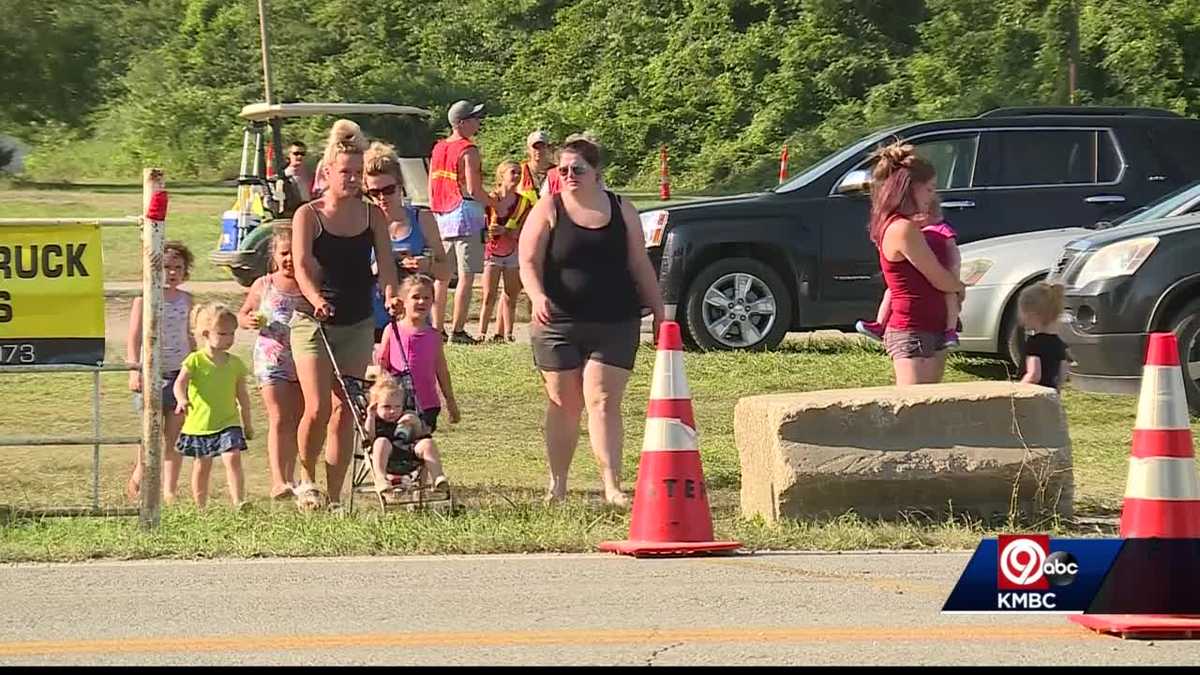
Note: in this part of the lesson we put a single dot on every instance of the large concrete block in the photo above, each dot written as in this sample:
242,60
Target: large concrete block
884,452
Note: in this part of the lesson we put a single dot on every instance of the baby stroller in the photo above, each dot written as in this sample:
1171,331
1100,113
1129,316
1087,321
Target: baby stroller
405,468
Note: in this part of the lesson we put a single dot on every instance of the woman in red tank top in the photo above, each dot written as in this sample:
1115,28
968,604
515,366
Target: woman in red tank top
903,195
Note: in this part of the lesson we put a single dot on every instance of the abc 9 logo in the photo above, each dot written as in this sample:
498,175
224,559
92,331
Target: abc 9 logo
1024,563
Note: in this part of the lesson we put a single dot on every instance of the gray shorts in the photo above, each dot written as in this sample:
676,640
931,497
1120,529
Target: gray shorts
465,254
909,344
566,345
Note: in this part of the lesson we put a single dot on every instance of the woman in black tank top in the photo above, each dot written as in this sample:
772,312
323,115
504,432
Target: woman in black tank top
332,241
585,268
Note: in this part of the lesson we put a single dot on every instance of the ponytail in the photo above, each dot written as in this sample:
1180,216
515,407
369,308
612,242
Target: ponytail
345,138
897,169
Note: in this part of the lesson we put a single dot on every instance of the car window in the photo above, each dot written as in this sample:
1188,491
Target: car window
416,179
1108,160
953,157
1027,157
1182,201
837,157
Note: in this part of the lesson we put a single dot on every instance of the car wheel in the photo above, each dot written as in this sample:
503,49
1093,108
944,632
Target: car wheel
259,263
1012,343
738,303
245,277
1186,327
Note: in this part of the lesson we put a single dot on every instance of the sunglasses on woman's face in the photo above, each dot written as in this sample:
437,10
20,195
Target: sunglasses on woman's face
575,169
299,153
376,193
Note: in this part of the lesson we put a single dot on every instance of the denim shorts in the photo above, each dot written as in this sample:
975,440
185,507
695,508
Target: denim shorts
912,344
168,394
211,445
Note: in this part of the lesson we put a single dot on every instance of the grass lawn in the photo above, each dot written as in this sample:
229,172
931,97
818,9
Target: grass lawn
494,457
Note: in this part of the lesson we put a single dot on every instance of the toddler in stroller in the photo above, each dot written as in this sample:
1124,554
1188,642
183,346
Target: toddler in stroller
403,454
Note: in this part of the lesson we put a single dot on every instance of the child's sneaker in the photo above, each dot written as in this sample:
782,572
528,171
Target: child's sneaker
950,339
871,329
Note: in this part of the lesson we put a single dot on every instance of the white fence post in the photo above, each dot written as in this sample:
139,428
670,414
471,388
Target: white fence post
152,295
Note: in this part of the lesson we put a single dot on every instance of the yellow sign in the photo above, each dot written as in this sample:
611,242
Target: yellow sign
51,295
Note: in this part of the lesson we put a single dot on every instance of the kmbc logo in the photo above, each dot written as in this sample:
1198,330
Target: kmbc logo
1026,564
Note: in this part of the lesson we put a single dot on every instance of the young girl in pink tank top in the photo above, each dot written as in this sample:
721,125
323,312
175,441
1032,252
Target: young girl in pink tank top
411,346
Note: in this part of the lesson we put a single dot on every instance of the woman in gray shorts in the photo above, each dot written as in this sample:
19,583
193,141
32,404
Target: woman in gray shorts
903,197
585,268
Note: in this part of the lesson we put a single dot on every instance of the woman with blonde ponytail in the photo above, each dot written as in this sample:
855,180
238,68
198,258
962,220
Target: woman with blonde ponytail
333,239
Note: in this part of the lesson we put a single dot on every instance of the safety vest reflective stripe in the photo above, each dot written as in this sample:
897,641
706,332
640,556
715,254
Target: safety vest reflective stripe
451,175
518,214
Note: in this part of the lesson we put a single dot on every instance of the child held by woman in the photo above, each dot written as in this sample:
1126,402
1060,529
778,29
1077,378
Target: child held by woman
933,226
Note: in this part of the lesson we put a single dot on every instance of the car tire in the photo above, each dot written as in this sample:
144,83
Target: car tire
765,308
245,277
259,265
1186,327
1012,337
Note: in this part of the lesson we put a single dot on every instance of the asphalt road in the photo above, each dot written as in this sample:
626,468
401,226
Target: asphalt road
786,608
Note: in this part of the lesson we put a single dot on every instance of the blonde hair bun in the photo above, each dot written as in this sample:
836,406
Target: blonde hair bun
345,138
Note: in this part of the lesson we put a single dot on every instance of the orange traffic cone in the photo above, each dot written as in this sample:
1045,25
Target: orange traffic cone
1162,494
783,164
664,179
670,503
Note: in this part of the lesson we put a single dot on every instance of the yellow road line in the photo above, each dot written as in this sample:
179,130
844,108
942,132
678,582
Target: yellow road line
272,643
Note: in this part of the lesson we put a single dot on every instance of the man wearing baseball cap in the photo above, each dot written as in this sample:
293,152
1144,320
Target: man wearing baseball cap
458,199
536,165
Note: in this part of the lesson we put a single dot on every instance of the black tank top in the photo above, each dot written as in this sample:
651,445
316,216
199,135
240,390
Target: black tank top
346,278
586,274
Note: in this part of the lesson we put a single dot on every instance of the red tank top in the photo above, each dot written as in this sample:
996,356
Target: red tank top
554,181
917,305
445,193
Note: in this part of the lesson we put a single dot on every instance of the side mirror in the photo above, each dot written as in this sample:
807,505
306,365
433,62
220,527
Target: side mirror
857,182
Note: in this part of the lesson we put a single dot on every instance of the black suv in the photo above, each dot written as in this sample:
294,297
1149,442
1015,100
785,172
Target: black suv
1123,284
740,272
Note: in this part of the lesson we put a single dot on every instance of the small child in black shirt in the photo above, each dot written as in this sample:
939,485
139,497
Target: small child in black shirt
401,441
1045,354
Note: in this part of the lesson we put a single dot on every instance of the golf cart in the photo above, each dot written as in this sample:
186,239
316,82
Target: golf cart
265,193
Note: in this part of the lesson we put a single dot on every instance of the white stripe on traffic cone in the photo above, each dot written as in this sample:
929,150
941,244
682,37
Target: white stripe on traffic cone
669,380
668,435
1163,478
1162,403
